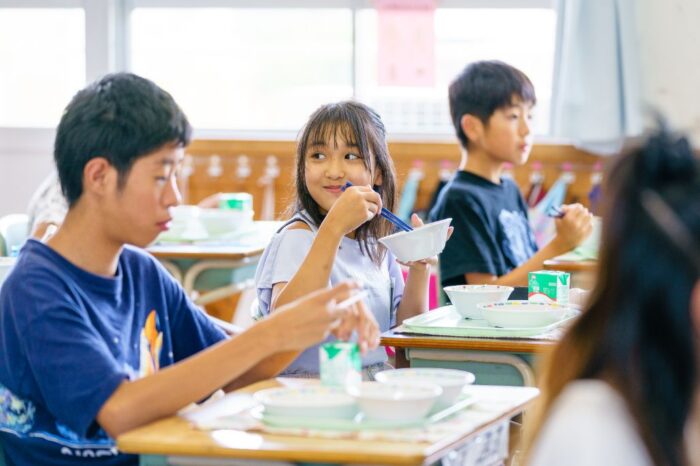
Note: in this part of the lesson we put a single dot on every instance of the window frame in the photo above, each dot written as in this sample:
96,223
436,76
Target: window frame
108,50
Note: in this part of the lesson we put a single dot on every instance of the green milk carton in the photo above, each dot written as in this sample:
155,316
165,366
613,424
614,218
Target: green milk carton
340,364
548,286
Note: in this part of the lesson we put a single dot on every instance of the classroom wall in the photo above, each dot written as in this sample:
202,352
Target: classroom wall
668,40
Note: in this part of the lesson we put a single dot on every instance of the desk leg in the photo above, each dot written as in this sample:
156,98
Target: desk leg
401,360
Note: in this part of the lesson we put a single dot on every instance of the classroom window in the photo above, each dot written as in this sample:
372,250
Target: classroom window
245,69
524,38
42,64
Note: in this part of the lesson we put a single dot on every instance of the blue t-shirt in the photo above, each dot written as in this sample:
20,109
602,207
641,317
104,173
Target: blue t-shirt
68,338
491,230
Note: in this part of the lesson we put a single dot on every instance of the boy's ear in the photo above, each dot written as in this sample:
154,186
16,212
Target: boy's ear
472,126
98,174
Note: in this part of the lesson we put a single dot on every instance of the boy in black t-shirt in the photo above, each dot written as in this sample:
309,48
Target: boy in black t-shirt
490,105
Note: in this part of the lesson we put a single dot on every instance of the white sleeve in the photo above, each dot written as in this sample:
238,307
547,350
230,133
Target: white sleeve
280,261
589,425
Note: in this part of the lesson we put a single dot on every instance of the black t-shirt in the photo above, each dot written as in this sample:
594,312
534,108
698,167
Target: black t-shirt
491,230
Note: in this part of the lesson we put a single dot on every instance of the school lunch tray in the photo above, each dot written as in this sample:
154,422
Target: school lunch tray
362,423
445,321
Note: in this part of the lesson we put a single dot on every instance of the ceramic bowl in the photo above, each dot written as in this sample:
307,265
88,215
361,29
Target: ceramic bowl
395,402
452,381
309,402
219,222
465,298
524,314
421,243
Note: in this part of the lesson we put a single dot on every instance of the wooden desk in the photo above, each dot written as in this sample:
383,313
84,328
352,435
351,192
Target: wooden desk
493,360
175,441
583,273
235,262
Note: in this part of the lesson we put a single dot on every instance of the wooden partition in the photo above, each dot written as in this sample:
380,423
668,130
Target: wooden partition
244,165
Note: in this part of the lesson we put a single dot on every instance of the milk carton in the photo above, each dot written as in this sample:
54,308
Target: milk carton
548,286
340,364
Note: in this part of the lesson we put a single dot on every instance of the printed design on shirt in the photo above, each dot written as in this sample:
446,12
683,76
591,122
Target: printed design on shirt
16,414
517,231
17,417
151,345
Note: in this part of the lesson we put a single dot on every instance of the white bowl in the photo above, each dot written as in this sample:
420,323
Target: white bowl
6,264
421,243
466,297
308,402
524,314
395,402
219,222
452,381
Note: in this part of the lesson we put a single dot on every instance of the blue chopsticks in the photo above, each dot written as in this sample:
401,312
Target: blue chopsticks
555,212
400,224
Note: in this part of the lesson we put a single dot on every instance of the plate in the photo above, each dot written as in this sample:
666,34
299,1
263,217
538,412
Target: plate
445,321
359,422
312,402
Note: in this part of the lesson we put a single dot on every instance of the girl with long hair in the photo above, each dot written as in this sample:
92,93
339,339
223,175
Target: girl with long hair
332,232
620,388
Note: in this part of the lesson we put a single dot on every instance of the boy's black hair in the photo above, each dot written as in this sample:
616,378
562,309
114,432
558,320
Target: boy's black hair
482,88
120,117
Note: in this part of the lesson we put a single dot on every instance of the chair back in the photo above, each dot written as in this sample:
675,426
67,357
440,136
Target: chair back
14,231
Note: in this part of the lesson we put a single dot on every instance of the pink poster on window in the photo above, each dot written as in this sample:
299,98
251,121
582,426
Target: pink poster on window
406,42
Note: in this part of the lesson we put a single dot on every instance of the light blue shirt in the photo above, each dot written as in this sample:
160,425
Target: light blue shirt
285,254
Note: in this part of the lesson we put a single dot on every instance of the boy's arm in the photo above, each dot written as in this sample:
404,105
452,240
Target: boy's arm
518,276
572,229
294,327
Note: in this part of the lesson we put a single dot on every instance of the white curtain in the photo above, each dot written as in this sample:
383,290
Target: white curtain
596,98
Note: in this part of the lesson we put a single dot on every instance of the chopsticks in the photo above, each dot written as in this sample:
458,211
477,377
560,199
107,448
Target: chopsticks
352,299
555,212
400,224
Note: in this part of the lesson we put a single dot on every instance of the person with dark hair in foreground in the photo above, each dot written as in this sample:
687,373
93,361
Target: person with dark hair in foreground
621,387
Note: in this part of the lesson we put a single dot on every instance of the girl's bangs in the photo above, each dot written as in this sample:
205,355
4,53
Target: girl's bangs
327,131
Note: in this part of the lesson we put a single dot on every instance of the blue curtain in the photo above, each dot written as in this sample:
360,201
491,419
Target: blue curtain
596,97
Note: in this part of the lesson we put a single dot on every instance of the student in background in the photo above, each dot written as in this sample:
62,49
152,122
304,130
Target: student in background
96,337
332,234
491,105
621,387
48,206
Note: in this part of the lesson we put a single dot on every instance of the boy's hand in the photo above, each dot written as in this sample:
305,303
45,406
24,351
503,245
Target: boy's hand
309,320
422,264
361,320
573,228
357,205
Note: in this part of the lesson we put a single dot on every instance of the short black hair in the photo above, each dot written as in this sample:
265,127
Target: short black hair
482,88
120,117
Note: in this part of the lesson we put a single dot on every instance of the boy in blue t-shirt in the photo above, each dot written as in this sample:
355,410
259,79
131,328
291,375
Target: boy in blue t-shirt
96,338
491,104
